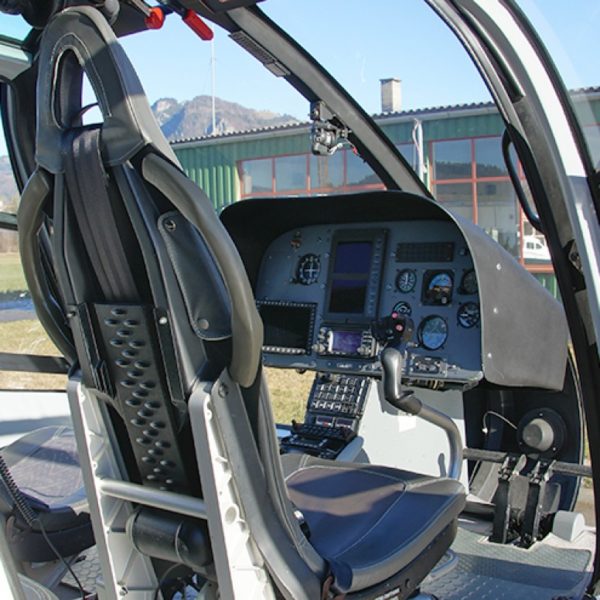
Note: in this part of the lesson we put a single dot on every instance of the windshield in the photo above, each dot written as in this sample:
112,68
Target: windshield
411,73
570,34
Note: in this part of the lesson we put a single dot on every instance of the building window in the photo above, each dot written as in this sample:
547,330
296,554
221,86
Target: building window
498,213
358,172
592,138
452,159
306,174
291,173
257,176
326,172
471,179
456,197
489,161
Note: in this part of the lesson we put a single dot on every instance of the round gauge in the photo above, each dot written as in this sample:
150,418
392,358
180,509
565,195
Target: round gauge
438,288
309,267
468,285
406,281
433,332
468,315
402,308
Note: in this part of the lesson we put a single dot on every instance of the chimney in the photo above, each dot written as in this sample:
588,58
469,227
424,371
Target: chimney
391,95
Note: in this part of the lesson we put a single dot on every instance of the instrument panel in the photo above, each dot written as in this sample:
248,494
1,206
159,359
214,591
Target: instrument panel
331,296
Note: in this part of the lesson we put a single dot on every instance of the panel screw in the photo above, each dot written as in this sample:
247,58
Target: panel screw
170,225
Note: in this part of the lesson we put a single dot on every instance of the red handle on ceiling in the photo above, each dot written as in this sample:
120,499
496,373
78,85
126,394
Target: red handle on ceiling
156,18
198,26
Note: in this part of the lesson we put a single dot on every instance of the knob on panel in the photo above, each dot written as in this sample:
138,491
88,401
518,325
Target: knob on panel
542,431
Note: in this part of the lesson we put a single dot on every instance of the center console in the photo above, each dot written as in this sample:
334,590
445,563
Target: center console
334,408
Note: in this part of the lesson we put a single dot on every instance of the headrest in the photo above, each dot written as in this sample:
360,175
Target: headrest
79,40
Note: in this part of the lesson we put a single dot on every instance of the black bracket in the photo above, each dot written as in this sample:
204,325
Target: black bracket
511,467
538,479
328,134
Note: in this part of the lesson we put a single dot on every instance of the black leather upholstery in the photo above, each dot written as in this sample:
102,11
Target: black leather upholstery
369,521
45,466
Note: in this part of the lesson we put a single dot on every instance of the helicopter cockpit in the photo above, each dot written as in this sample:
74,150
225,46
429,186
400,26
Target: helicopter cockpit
442,442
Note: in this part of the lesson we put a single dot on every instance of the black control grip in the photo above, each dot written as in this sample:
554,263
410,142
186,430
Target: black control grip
392,363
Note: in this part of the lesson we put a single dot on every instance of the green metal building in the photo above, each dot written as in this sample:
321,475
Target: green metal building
461,159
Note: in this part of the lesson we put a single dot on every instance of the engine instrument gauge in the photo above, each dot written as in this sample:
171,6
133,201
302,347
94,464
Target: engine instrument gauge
402,308
433,332
437,287
308,269
406,280
468,284
468,314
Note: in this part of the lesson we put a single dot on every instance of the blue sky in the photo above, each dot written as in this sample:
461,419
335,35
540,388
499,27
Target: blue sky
359,42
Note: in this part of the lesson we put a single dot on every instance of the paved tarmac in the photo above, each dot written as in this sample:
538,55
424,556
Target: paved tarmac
21,412
16,310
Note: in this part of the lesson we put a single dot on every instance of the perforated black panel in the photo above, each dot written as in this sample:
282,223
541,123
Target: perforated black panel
141,393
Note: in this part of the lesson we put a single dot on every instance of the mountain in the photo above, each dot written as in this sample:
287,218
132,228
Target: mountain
193,118
178,120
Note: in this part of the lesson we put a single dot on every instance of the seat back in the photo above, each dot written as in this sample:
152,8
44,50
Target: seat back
143,267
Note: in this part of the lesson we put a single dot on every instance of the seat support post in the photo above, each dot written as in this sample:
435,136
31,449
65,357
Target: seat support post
126,573
240,568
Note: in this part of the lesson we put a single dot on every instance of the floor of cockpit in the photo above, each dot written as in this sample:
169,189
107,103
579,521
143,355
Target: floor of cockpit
479,569
87,570
474,569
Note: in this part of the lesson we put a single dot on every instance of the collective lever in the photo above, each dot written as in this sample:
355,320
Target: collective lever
391,363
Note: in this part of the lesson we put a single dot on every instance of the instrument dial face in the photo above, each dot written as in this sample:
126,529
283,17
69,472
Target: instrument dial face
437,287
468,315
309,267
433,332
402,308
406,281
468,285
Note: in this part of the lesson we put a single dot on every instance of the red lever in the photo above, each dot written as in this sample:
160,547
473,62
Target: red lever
155,19
197,25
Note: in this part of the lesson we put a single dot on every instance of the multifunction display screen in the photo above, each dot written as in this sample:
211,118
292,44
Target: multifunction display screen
288,326
350,276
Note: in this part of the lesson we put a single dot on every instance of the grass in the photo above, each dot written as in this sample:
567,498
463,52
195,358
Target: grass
11,273
28,337
289,390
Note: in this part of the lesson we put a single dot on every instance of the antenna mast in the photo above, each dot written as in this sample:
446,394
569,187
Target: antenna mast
212,72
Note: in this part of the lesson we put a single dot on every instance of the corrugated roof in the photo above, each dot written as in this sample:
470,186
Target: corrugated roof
415,112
